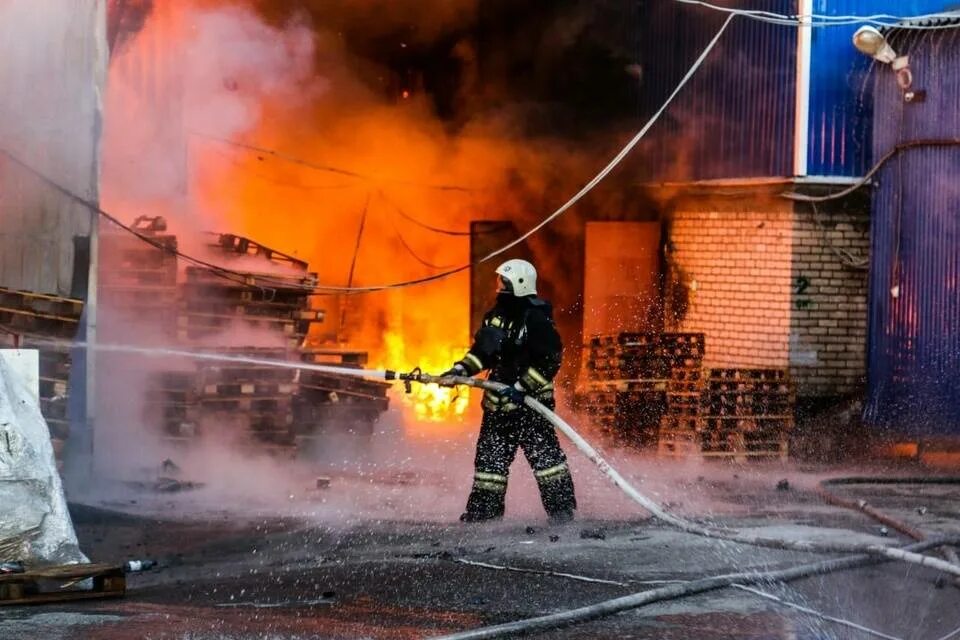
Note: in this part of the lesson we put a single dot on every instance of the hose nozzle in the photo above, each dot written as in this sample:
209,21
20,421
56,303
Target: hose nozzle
414,376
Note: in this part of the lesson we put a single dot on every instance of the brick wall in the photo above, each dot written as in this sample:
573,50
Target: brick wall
828,318
766,281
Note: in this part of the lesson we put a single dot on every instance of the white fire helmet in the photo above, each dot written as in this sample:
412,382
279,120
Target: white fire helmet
521,275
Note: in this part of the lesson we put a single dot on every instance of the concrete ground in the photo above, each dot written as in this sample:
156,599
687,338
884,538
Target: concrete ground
379,554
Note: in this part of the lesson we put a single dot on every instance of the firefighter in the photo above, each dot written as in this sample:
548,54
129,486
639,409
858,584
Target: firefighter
519,344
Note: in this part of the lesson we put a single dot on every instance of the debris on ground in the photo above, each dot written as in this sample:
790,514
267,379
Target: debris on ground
593,534
168,466
172,485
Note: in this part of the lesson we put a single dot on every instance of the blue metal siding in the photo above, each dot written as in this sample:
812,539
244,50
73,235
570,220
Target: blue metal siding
736,116
914,339
840,78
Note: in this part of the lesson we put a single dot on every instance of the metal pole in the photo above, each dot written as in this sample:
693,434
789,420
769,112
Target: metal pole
801,139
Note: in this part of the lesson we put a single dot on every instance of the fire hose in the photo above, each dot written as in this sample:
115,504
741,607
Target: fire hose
868,553
655,509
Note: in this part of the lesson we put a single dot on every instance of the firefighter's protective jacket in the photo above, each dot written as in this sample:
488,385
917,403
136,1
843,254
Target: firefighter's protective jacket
518,342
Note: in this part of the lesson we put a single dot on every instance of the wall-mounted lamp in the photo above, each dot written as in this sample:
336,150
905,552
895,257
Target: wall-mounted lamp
869,41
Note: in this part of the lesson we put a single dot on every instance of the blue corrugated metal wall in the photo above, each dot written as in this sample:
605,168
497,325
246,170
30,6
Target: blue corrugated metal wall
840,111
736,116
914,341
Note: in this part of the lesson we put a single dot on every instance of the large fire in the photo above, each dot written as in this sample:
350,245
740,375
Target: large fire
183,101
428,403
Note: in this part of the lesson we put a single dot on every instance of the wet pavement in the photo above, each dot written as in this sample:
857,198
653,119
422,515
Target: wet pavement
227,573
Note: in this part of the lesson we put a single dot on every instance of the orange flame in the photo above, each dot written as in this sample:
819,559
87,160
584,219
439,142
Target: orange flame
427,404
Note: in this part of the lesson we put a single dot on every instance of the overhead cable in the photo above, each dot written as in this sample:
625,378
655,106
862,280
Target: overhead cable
230,274
227,274
617,159
824,20
327,168
903,146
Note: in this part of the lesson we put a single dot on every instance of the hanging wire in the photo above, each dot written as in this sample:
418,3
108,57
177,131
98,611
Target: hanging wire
950,20
242,277
327,168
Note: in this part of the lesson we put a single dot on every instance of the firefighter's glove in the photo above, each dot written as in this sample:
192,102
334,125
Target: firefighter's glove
514,394
456,370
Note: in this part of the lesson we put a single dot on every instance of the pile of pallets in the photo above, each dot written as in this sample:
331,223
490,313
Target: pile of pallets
324,399
137,278
245,402
26,314
744,414
172,404
627,410
256,401
216,304
638,383
684,352
54,395
748,413
46,323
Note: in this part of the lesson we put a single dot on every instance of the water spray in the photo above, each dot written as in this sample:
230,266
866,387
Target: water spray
644,501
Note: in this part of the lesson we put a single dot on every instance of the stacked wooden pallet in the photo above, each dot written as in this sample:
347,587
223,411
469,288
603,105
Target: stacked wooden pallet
172,404
744,414
255,401
27,314
748,413
54,394
215,304
137,279
326,399
242,401
44,322
627,375
684,352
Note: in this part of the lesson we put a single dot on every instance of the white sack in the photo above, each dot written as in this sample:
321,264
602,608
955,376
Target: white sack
31,494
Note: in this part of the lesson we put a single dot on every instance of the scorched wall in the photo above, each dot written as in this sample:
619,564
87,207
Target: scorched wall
771,284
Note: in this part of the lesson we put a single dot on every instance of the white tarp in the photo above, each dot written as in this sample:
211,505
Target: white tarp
31,495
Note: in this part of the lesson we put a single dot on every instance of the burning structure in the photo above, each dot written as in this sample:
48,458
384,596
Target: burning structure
371,153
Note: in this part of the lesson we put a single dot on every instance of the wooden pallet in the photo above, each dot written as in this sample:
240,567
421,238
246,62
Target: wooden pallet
733,446
302,284
278,310
678,444
240,246
58,584
40,303
337,357
20,321
629,384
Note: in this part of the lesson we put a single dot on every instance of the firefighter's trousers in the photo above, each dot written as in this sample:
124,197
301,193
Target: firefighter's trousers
501,432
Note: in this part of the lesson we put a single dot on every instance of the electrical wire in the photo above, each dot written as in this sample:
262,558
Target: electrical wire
414,254
447,232
617,159
242,277
903,146
824,20
846,257
227,274
323,167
